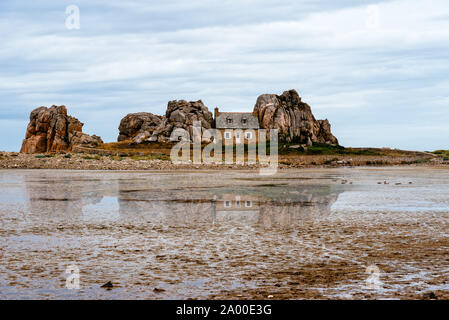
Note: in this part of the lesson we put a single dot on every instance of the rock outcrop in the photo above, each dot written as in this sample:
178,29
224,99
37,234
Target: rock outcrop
287,113
146,127
141,124
293,118
182,114
52,130
322,132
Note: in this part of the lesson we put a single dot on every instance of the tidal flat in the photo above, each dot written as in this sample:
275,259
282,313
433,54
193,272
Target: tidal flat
317,233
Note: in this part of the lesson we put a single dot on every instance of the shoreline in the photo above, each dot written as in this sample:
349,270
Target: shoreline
83,161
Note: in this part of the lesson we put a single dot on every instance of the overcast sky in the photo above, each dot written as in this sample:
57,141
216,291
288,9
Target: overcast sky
378,70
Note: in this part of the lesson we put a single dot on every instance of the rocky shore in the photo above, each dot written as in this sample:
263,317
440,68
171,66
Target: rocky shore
84,161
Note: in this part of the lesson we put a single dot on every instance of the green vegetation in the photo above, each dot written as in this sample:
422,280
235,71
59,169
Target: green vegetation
93,157
150,157
68,156
425,160
442,153
42,156
326,149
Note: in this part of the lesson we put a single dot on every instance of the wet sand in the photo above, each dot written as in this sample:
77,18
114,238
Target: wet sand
301,234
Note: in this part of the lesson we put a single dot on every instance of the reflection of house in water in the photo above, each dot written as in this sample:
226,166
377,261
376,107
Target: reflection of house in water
273,206
93,198
234,207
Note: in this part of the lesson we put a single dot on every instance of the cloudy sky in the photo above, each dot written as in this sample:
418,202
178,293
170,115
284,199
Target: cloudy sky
378,70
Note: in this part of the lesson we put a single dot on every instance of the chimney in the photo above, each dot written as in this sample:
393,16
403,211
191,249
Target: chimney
216,113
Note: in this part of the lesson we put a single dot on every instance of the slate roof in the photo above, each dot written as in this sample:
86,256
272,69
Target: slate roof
238,120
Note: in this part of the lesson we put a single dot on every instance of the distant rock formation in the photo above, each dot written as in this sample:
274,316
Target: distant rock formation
147,127
293,118
52,130
138,125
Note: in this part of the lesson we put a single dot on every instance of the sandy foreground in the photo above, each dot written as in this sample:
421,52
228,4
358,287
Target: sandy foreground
337,233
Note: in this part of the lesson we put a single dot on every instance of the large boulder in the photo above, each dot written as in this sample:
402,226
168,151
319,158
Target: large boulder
138,124
52,130
293,119
182,114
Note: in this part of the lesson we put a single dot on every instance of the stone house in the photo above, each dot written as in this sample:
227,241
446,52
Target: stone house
236,127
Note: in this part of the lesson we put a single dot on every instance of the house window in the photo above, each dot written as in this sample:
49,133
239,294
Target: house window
244,121
248,135
227,204
229,120
237,135
248,204
227,135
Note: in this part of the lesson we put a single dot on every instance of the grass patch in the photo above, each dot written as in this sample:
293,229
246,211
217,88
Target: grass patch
43,156
327,149
324,149
138,158
442,153
425,160
150,157
147,151
95,157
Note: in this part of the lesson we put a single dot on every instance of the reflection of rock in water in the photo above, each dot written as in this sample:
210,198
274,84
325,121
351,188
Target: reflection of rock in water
66,195
168,208
54,196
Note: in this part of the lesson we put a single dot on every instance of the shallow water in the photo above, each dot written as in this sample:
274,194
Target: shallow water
231,234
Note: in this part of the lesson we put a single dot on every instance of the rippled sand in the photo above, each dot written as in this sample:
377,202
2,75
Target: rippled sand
231,234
